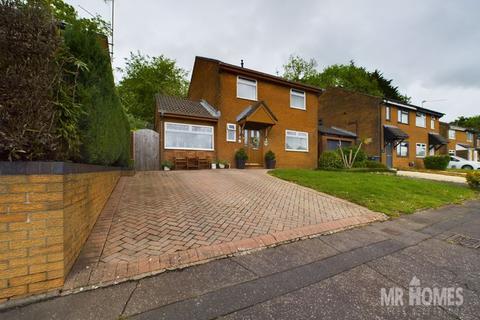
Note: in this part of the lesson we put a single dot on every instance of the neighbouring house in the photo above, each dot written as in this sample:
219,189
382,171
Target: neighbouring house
332,138
231,107
461,141
401,134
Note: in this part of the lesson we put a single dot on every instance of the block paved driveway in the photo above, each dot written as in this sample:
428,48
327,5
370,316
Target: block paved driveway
164,220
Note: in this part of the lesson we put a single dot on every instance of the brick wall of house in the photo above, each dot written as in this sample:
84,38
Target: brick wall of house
416,135
169,154
277,98
355,112
44,221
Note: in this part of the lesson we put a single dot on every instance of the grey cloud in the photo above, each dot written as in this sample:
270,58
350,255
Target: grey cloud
429,47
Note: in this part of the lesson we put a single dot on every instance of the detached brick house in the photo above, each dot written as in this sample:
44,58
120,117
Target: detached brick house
461,141
230,107
402,134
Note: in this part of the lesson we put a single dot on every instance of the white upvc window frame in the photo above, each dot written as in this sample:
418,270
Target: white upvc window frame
432,122
190,126
229,128
404,145
452,152
287,131
298,93
452,135
403,112
247,81
469,134
419,144
388,113
421,116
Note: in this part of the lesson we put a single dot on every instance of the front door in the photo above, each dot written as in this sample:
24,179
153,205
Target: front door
253,145
389,151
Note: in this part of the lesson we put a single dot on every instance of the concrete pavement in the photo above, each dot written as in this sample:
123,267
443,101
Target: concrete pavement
432,176
329,277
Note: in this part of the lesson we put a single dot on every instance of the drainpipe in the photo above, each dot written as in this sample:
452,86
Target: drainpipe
380,131
162,136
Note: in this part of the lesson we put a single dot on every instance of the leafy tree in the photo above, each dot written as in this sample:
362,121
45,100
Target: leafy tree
144,77
348,76
468,122
388,89
300,70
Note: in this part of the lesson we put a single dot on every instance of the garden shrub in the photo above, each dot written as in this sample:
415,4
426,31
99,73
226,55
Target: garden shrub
374,165
104,128
473,179
436,162
361,155
330,160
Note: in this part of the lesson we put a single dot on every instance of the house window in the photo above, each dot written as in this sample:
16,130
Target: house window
246,88
469,136
231,132
432,123
297,99
402,149
421,120
402,116
296,141
451,134
188,136
451,152
421,150
388,113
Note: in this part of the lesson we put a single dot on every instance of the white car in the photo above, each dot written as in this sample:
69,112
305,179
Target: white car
460,163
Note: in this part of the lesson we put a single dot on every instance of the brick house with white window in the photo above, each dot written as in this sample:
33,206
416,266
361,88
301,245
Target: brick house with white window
402,134
231,107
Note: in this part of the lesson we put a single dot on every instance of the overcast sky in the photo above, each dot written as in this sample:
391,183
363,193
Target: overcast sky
430,48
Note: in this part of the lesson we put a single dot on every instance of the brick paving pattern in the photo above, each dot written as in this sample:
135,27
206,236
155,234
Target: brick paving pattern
161,220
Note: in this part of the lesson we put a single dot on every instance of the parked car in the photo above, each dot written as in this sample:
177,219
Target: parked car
460,163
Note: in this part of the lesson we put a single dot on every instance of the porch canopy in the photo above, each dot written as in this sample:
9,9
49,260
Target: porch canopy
436,140
394,135
256,117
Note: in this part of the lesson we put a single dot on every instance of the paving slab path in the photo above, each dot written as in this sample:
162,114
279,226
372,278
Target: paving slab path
432,176
337,276
156,221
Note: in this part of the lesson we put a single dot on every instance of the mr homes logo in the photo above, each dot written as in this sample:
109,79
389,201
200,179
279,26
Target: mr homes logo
421,296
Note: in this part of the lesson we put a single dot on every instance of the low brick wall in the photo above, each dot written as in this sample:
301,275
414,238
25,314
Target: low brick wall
46,214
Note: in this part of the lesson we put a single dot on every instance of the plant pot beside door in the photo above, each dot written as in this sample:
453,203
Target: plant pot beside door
241,158
270,160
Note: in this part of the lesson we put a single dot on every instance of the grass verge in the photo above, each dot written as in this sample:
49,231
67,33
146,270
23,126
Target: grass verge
385,193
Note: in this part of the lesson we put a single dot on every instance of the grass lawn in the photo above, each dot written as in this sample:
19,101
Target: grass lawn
379,192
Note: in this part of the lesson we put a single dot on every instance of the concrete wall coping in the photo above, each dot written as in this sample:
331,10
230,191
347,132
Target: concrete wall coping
51,167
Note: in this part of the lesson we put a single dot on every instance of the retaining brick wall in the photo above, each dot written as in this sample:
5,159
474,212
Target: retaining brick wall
44,221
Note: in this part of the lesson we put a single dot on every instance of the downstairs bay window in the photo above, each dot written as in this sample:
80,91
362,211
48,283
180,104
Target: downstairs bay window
188,136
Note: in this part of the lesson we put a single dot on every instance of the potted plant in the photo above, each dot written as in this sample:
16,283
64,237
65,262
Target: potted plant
167,165
270,160
241,158
222,164
214,165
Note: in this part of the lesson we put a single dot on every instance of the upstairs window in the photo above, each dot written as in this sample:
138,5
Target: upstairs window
432,123
402,116
388,113
297,99
469,136
451,134
421,120
246,88
231,132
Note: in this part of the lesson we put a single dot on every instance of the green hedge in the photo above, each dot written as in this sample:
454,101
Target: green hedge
330,159
104,128
473,179
436,162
